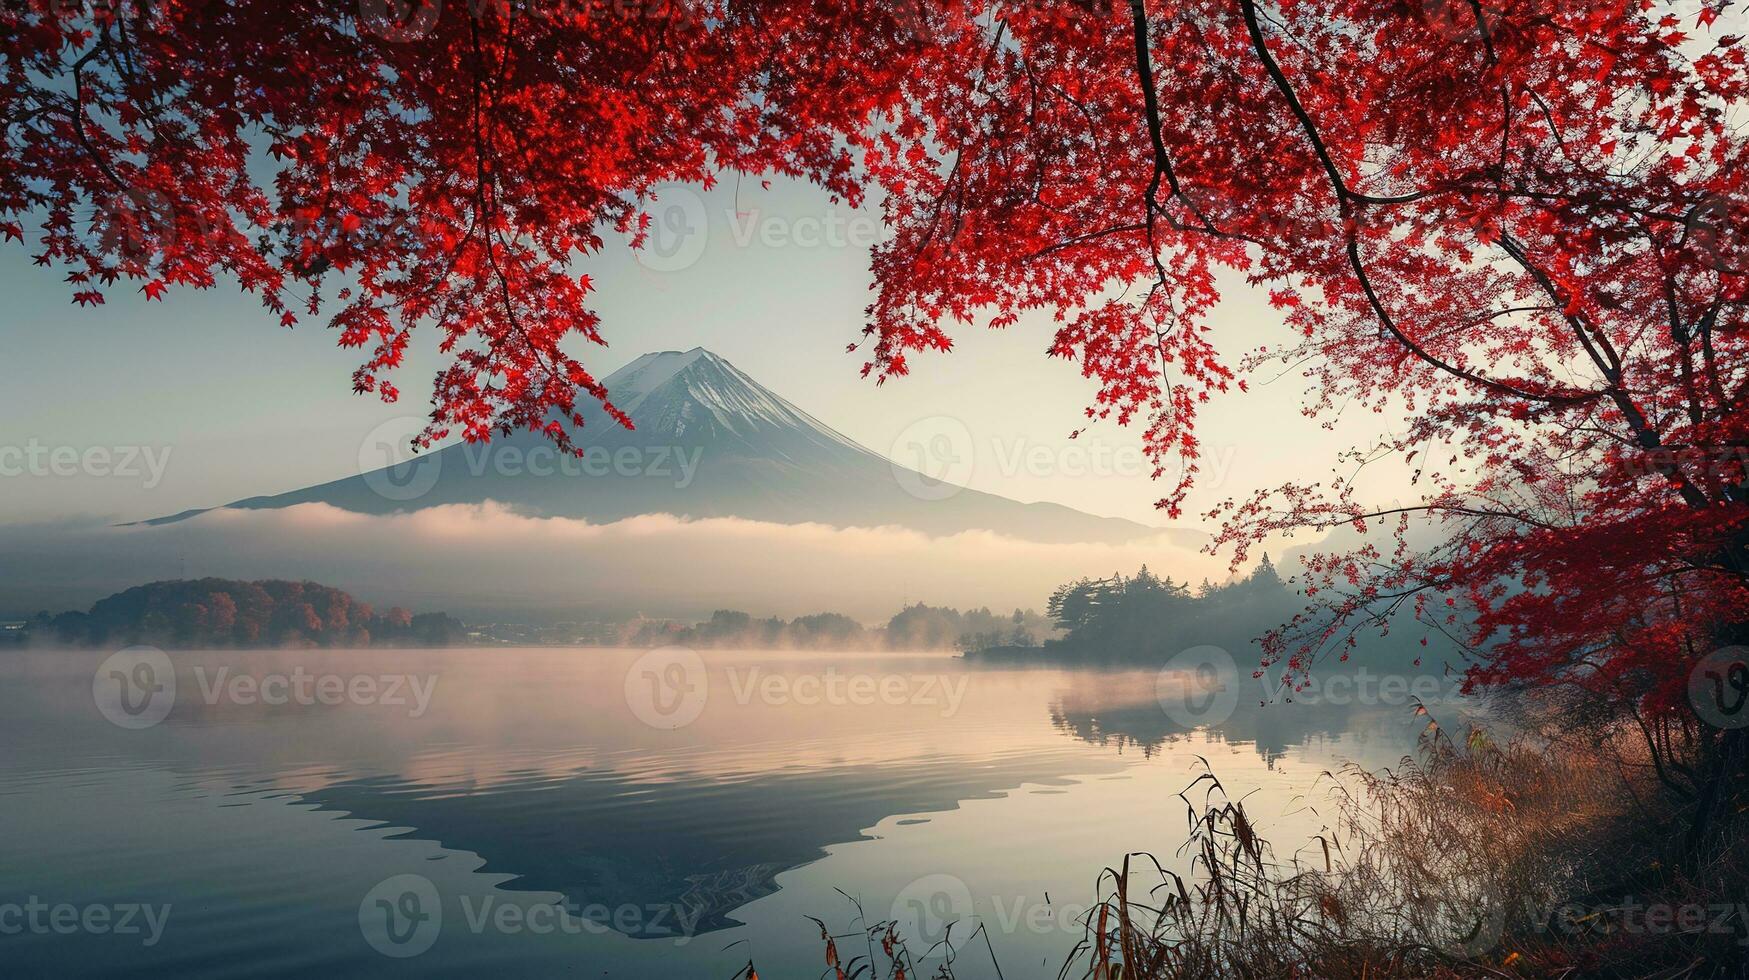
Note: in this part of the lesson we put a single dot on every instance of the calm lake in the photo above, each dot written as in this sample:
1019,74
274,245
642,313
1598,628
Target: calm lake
604,813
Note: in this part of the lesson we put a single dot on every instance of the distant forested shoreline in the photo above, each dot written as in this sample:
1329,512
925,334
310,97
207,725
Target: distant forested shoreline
1122,619
915,627
226,613
1147,618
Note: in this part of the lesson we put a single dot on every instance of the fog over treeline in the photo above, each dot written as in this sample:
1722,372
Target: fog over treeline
916,627
484,562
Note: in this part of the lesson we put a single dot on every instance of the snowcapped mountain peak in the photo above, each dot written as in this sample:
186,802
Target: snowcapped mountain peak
710,442
698,395
632,383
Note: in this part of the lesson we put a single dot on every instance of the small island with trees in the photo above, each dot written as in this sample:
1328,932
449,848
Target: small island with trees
229,614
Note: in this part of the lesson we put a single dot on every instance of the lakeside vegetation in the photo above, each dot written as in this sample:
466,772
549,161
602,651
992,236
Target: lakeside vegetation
1121,619
1578,836
214,612
1146,618
916,627
225,613
1546,856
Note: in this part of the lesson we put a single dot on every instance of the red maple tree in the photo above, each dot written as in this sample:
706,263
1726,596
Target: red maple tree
1514,226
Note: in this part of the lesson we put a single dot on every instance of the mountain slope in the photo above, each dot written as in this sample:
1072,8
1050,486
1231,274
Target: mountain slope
710,442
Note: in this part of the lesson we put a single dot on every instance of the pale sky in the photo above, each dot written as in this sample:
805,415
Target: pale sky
233,406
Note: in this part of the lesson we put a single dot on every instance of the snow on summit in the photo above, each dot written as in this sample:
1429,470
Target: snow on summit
648,373
709,442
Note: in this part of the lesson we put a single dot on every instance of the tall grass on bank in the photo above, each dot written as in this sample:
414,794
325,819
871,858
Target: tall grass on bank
1426,870
1537,858
877,949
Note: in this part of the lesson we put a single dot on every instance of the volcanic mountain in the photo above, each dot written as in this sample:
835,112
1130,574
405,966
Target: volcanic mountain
710,442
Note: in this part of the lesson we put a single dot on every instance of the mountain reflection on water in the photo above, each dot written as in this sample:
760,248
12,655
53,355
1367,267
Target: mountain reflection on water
531,781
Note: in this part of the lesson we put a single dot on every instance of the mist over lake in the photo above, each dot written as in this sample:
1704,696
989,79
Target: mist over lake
629,830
